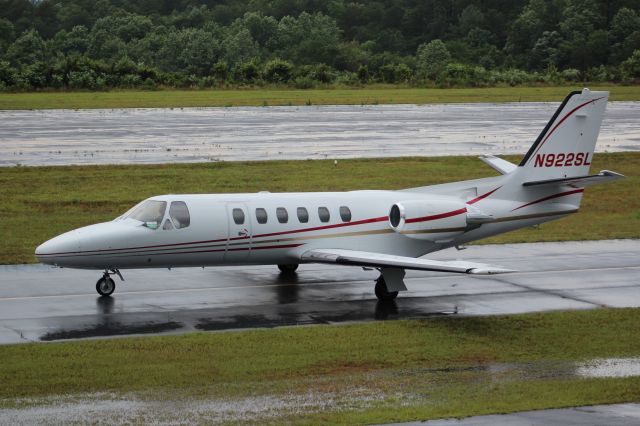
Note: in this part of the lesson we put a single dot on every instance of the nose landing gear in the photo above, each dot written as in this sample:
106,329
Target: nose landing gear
105,285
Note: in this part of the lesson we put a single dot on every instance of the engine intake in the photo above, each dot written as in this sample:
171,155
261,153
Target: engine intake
432,219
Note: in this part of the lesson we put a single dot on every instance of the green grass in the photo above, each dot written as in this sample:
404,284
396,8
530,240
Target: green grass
262,97
423,368
41,202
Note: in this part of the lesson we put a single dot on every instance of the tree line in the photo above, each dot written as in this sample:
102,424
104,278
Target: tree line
102,44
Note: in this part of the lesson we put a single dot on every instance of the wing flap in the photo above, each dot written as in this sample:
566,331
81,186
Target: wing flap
363,258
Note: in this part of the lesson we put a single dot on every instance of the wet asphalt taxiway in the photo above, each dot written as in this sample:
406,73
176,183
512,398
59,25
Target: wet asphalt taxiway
41,303
178,135
594,415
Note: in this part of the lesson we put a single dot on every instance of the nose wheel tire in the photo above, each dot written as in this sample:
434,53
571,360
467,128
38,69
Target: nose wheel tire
381,290
105,286
288,268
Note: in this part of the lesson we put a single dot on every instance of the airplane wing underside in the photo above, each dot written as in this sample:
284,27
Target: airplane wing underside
364,258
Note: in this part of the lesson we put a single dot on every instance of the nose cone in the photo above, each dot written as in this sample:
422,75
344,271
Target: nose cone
54,251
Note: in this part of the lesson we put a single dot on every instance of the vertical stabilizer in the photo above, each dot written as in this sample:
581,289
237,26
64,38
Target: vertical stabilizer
566,145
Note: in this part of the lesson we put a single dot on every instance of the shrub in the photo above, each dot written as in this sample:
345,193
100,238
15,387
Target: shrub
347,78
303,83
599,73
404,74
249,72
387,73
8,74
277,71
82,79
149,84
570,74
456,74
131,81
631,67
363,74
220,71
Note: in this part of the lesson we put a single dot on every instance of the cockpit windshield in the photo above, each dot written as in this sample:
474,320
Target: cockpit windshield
148,211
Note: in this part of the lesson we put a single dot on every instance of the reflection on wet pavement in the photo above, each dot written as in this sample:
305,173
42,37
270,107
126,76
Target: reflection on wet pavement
111,328
38,302
121,136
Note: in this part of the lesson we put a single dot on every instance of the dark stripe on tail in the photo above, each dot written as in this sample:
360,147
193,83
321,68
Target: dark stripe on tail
546,128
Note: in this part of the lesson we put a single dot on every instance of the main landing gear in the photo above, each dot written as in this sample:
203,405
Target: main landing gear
288,268
389,283
105,285
382,293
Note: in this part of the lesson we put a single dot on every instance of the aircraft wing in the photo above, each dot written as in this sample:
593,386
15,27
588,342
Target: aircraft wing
364,258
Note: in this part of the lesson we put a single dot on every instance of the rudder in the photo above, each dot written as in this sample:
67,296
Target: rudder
565,146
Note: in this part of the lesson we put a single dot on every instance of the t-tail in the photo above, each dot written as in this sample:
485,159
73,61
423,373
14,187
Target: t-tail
558,162
565,146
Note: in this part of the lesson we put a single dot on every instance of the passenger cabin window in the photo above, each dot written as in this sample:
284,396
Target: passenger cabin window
303,215
179,214
149,211
323,214
238,216
345,214
282,215
261,215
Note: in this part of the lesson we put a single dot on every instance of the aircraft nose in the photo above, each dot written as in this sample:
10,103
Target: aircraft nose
52,251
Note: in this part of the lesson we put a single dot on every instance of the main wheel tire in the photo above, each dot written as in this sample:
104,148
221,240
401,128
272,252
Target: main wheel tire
105,286
288,268
381,291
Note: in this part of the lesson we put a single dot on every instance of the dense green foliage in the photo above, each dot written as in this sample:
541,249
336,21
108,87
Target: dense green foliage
87,44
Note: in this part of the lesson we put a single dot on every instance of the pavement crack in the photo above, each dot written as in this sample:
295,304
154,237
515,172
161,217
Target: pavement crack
552,293
19,333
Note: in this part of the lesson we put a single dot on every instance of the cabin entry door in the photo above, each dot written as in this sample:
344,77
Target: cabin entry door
239,239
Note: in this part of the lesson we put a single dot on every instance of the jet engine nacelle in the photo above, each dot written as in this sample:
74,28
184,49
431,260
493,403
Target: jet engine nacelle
433,219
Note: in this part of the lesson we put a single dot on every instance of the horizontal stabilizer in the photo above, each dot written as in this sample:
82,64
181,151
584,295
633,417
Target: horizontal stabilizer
579,181
363,258
502,166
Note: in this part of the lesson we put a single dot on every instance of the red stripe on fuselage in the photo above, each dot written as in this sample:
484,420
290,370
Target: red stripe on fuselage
475,200
295,231
320,228
436,216
220,250
550,197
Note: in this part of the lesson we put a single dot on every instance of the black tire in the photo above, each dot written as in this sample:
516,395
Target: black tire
105,286
288,268
381,291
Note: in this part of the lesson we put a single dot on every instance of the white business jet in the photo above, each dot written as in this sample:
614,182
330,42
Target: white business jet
386,230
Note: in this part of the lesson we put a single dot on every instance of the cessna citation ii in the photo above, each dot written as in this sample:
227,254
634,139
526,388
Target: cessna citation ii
386,230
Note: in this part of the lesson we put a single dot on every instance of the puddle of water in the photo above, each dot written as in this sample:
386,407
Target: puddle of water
609,367
376,388
131,408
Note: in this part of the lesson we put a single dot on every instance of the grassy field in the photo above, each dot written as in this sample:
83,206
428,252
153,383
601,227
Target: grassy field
41,202
262,97
415,369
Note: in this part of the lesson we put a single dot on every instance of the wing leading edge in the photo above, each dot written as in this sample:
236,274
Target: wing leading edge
364,258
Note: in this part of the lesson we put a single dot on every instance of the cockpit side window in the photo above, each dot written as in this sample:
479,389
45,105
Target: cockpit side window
149,211
179,214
